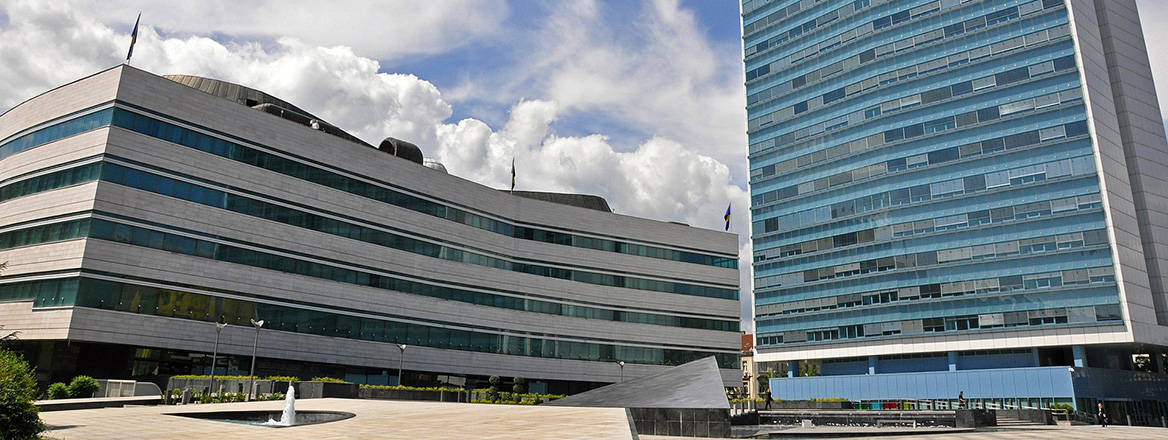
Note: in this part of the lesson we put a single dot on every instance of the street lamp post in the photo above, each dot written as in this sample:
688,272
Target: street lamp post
400,360
254,345
215,353
622,370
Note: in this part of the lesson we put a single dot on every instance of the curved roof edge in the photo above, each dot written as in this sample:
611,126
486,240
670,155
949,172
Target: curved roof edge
585,201
261,101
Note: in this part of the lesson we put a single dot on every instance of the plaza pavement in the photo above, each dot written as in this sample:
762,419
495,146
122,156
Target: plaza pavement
388,419
376,419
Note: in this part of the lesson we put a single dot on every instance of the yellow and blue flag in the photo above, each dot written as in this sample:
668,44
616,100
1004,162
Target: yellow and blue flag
727,217
133,38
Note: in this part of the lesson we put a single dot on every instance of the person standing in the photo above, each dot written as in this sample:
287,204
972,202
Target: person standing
1101,415
961,399
768,399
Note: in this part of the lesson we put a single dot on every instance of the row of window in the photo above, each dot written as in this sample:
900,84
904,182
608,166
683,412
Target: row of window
816,133
982,286
962,121
279,213
61,130
783,14
50,181
1035,70
848,37
175,243
1077,166
271,162
944,61
841,14
1068,315
783,65
786,142
940,223
1002,249
110,295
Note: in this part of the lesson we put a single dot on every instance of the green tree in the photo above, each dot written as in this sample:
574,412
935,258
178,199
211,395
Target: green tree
83,386
520,386
18,416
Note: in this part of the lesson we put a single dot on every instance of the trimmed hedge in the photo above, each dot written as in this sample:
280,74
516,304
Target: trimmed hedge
405,388
83,386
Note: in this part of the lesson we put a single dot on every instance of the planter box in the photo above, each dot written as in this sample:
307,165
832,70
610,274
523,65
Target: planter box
227,385
433,396
317,390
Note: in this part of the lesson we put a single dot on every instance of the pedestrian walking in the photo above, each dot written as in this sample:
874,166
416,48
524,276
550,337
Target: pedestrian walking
961,399
768,399
1101,415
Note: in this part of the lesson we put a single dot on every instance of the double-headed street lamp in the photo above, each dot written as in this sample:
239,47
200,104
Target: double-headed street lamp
622,370
251,377
400,361
215,353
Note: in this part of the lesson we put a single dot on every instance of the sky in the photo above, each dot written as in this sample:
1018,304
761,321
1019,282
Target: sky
641,102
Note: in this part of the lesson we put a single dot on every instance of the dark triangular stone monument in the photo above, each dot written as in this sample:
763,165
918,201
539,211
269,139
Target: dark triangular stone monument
697,384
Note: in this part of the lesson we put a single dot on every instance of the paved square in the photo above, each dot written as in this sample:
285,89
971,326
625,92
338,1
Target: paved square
376,419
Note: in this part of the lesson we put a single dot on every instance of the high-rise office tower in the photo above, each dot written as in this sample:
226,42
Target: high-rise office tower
958,195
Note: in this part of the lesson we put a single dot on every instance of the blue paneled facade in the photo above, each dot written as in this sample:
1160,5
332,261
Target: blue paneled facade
918,168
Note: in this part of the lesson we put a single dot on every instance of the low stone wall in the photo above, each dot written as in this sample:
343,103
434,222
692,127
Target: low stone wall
684,422
95,402
1043,416
807,404
851,418
432,396
975,418
318,390
227,385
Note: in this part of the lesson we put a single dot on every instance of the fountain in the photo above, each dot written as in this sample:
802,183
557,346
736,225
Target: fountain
288,417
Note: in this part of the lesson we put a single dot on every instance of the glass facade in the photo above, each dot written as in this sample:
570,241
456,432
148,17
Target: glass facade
373,277
920,167
351,324
318,174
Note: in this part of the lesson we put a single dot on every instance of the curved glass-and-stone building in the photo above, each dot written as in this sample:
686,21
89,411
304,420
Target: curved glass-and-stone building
135,210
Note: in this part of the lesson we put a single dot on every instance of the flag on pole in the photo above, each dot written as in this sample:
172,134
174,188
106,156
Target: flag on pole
512,174
727,217
133,38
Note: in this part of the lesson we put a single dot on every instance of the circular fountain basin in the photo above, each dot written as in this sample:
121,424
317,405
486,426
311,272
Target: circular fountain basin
262,418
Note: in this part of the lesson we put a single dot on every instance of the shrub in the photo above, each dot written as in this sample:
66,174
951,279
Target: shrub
406,388
520,386
58,391
83,386
493,392
283,378
272,396
328,379
1065,406
18,415
217,377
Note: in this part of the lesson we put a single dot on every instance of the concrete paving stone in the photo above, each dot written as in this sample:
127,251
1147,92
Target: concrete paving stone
375,419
